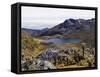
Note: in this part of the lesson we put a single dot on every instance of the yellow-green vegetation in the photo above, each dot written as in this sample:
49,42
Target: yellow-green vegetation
71,66
74,55
31,47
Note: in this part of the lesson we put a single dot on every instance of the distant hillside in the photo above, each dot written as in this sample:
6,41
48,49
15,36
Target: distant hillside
69,26
34,32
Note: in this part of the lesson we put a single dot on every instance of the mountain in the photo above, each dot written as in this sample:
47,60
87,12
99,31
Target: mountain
69,26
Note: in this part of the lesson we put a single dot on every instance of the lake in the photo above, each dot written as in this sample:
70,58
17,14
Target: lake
62,40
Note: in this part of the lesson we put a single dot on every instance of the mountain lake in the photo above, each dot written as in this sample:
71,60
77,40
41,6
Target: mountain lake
62,40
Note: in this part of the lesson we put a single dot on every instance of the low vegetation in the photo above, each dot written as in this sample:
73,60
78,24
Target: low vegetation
69,55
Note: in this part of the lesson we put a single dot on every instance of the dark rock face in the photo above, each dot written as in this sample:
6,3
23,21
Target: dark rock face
72,26
69,26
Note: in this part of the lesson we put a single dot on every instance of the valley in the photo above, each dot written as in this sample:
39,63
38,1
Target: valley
67,45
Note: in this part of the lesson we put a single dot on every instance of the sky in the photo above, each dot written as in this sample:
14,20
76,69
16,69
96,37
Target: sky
40,18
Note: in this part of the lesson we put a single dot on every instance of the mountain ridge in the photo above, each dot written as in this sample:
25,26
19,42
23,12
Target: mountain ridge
69,26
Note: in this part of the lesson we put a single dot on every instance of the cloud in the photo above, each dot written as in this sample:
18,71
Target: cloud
37,17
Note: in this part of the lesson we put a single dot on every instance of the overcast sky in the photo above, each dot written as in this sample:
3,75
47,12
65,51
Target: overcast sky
40,18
